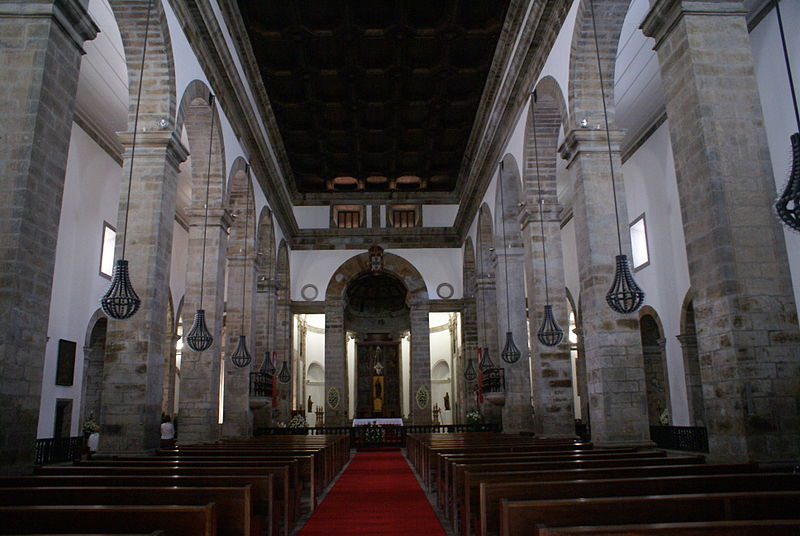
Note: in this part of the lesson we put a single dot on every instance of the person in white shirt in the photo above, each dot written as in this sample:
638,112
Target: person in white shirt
167,433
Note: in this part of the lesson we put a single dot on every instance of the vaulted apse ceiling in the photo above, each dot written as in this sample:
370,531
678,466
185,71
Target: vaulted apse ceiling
376,95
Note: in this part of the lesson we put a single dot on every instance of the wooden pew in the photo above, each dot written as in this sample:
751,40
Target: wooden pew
528,517
492,494
233,504
473,481
281,479
261,493
771,527
457,501
173,520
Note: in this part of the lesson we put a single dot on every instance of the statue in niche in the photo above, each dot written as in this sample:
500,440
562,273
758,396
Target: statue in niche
309,405
447,401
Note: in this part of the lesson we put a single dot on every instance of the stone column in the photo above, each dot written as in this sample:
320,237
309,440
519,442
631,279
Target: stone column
40,55
237,417
746,317
335,364
135,348
551,368
200,371
283,345
420,364
612,341
581,376
266,299
517,410
694,382
469,346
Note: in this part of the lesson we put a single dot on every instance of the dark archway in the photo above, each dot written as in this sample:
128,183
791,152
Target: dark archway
655,370
691,363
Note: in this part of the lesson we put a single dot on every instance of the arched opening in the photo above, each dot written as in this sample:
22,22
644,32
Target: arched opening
655,372
377,315
93,365
691,364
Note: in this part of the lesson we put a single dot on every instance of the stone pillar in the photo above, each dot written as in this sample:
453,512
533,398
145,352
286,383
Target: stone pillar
335,364
656,381
517,410
237,417
694,382
40,55
283,345
581,376
746,317
421,402
469,346
200,371
612,341
551,368
135,348
266,300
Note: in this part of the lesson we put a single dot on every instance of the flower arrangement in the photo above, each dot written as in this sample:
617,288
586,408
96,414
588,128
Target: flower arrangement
374,433
298,421
474,417
90,427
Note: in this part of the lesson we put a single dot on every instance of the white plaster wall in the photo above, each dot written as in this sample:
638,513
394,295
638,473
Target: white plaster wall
439,215
436,266
177,267
91,196
405,370
651,188
440,352
569,249
776,102
313,217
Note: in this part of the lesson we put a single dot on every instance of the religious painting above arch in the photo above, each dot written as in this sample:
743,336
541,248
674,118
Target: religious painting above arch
375,96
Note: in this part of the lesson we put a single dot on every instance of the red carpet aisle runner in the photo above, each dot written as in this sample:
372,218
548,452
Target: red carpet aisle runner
376,495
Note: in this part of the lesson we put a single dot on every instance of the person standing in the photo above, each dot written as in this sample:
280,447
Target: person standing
167,433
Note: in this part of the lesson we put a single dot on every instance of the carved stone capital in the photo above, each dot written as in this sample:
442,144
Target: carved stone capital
176,152
585,140
551,213
70,15
216,217
666,14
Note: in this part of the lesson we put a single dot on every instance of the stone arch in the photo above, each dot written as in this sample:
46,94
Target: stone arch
158,100
94,353
194,115
241,254
170,365
584,89
469,328
266,284
440,370
486,295
549,113
283,325
393,264
468,268
655,366
691,361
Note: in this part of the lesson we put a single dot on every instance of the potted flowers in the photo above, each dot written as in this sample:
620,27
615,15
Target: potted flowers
374,434
474,417
91,433
298,424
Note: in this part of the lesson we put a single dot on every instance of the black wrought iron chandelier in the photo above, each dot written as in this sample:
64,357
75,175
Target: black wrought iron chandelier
550,333
284,375
269,364
484,359
788,204
624,296
120,300
241,357
199,338
469,372
510,353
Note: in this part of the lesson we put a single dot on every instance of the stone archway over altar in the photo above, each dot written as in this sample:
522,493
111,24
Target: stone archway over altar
377,302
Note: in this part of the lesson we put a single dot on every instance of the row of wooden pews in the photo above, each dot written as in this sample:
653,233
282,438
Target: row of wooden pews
252,487
488,484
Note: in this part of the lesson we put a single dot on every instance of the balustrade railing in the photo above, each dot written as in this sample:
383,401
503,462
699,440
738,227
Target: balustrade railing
261,385
57,450
688,438
392,436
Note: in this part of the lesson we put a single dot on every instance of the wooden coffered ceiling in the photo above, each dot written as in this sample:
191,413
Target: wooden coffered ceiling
376,95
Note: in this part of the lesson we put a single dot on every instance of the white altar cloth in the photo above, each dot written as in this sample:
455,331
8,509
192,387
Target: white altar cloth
365,422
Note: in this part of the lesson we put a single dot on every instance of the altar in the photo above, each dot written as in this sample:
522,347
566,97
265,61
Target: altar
377,420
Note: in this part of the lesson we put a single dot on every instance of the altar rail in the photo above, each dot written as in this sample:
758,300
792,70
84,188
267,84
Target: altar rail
57,449
689,438
393,436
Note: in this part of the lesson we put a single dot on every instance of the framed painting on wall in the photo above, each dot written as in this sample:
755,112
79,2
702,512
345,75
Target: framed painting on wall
65,370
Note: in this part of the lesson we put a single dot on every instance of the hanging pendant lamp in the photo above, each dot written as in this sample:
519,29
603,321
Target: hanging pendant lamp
484,359
469,373
510,353
199,338
120,300
241,357
284,376
550,333
788,204
624,296
269,366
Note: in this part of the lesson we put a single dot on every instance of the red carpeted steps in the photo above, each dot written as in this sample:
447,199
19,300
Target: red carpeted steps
376,495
